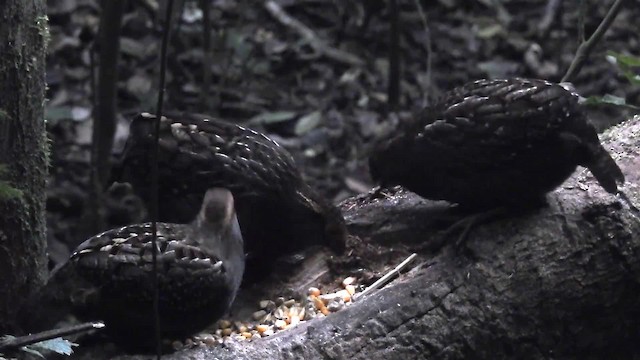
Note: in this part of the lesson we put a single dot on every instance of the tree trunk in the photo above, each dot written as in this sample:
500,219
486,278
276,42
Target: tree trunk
562,282
23,153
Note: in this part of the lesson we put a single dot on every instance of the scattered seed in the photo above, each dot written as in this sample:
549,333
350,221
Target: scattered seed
262,328
317,302
293,312
201,336
209,340
344,295
350,289
327,298
259,314
348,281
280,324
223,324
310,311
314,291
320,305
275,315
267,305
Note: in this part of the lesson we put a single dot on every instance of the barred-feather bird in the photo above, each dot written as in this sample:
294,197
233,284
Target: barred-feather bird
278,212
493,143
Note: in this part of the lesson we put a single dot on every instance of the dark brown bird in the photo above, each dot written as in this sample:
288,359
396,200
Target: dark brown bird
278,212
493,143
200,267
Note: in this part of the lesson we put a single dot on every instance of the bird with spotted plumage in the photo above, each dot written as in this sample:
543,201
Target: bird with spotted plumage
109,276
495,143
278,212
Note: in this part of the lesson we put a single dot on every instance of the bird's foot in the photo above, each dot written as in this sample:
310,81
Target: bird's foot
464,226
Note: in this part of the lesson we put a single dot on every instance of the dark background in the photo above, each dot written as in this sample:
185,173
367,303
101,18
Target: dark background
327,111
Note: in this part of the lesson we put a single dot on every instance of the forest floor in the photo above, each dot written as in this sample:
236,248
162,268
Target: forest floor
321,93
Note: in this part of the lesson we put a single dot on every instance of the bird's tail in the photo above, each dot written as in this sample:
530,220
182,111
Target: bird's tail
605,169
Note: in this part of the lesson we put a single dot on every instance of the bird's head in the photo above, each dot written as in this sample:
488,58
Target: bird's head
217,226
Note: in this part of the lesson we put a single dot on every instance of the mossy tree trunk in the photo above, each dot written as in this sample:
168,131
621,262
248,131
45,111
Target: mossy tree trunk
23,154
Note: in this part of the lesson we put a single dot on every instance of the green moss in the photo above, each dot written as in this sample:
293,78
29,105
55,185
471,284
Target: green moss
7,192
47,150
42,23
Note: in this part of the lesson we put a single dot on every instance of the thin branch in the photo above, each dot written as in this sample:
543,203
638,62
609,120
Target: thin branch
104,126
92,79
582,16
310,36
154,176
585,48
14,343
551,13
423,17
104,110
205,6
393,91
388,276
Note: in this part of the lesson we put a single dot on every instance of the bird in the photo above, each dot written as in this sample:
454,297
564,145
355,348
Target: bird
495,143
278,212
199,270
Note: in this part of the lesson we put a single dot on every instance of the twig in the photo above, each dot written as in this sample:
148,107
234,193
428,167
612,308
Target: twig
582,16
92,79
585,48
154,176
177,17
104,126
205,6
387,277
309,35
393,91
104,111
423,17
551,13
14,343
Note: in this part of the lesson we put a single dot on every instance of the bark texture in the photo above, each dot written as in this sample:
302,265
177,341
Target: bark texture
562,283
24,32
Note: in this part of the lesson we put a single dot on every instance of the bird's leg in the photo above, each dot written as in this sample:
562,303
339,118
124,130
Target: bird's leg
467,223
